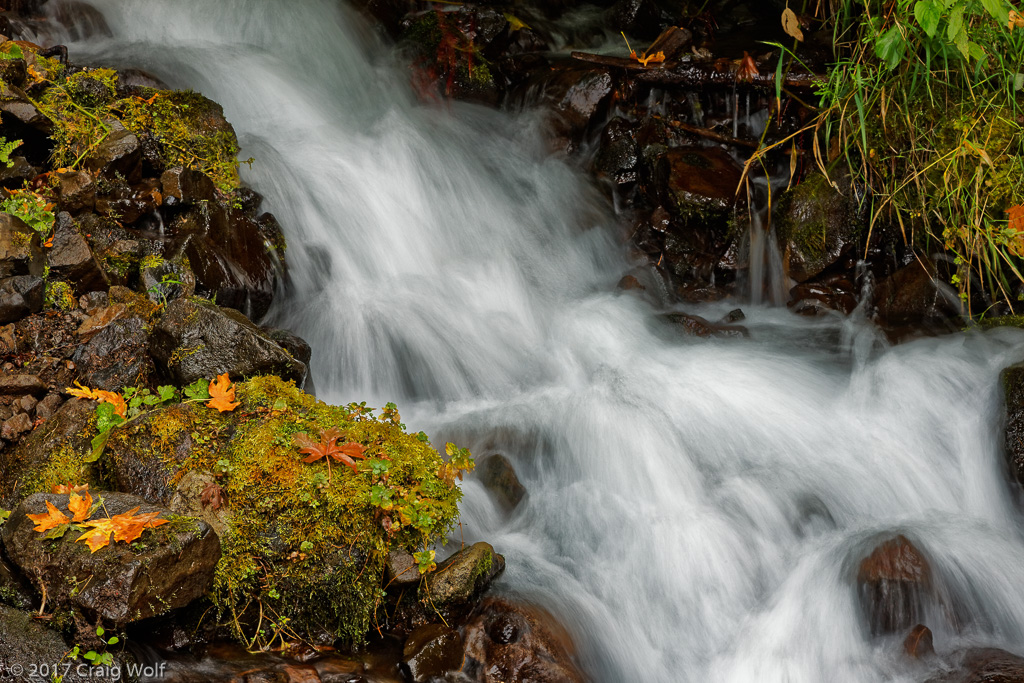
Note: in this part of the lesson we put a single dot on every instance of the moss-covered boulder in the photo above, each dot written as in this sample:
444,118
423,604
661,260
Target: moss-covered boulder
305,544
165,568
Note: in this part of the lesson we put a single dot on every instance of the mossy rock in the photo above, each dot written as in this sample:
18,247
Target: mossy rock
302,542
89,108
815,224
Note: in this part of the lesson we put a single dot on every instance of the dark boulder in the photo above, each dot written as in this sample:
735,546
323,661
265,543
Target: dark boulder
814,299
507,642
21,252
119,154
696,326
196,339
465,575
1013,396
913,298
20,296
892,582
25,641
185,187
499,477
18,173
167,568
116,357
815,225
21,384
76,191
71,259
13,589
432,651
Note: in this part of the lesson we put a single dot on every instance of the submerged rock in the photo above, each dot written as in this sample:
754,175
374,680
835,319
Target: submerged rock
498,475
984,665
891,582
815,225
516,643
432,651
168,567
1013,396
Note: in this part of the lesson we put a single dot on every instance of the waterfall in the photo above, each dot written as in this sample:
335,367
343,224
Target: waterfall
696,509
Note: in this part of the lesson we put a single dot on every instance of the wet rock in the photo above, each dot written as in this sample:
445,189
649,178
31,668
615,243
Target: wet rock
641,18
402,569
696,326
619,154
891,582
700,180
814,299
576,97
1013,396
913,298
21,252
734,316
21,384
233,256
27,403
507,642
81,20
76,191
25,640
197,339
292,343
16,175
984,665
918,643
165,281
17,106
815,225
184,187
68,430
15,426
116,357
629,282
465,574
46,408
13,71
8,341
499,477
120,154
20,296
128,204
167,568
71,259
13,589
431,652
673,42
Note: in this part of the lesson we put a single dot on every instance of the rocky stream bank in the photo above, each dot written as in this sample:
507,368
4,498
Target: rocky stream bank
134,262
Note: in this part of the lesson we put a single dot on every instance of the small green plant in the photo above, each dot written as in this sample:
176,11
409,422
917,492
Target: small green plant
5,150
160,289
12,52
32,209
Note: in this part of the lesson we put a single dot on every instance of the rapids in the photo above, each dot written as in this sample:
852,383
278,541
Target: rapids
696,509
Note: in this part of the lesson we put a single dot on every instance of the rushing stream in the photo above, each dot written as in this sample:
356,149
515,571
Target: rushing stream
697,509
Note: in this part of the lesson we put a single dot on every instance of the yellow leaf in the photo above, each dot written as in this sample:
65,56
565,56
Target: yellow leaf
656,58
48,520
1015,20
79,506
222,394
791,25
99,535
514,23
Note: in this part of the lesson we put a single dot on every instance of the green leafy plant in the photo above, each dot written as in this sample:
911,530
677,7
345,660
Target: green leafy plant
5,150
33,209
923,105
12,52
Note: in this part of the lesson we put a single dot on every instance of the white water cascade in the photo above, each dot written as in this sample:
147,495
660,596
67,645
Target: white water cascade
696,509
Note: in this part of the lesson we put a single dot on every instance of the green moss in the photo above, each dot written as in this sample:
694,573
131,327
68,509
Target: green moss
1002,321
60,296
190,129
64,465
302,543
151,261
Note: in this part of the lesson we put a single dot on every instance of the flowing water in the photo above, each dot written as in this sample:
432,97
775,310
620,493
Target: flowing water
696,509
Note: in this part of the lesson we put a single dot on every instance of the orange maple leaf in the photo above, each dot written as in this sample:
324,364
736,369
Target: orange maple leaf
222,394
117,400
125,527
328,448
50,519
656,58
69,488
747,70
80,506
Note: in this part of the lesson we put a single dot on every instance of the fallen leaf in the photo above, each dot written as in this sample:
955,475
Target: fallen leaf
222,394
125,527
212,496
1015,20
120,407
747,69
49,519
791,24
79,506
98,536
328,448
69,488
656,58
